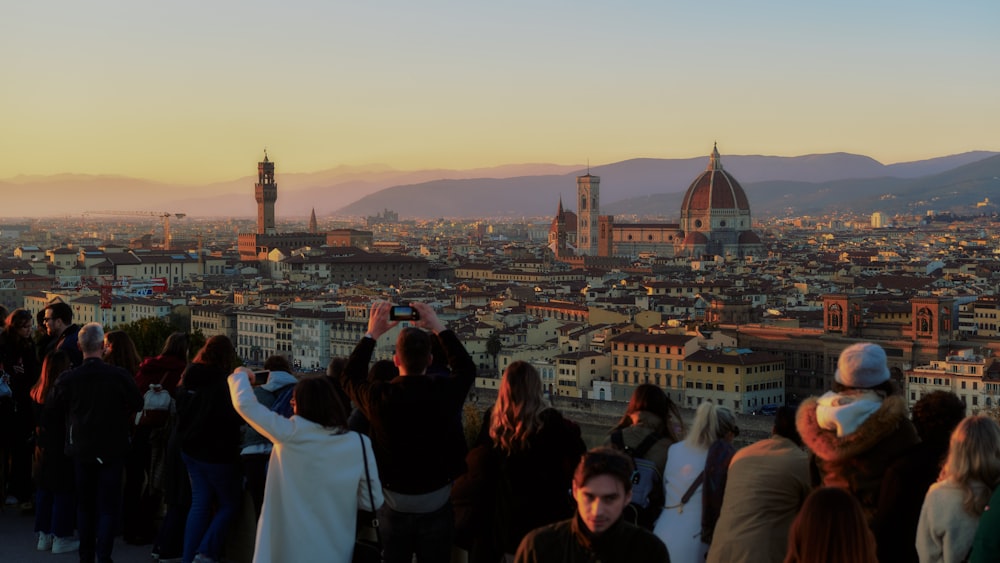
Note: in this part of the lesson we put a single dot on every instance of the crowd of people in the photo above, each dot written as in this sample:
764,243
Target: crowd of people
373,460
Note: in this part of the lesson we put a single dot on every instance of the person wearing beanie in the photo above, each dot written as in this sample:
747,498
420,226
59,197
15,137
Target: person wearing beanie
858,429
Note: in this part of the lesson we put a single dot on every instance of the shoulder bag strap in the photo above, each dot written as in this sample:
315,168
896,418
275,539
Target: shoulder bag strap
693,488
687,494
643,448
371,497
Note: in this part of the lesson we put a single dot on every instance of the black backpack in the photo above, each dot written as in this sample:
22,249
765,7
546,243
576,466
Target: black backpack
647,481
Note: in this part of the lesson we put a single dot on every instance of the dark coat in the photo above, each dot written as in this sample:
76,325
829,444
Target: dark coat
901,497
570,541
53,468
415,420
208,427
68,342
18,359
858,461
504,496
99,401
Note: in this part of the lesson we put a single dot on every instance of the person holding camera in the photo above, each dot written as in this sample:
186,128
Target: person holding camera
415,430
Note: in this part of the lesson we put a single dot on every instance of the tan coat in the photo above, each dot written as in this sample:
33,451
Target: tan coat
767,483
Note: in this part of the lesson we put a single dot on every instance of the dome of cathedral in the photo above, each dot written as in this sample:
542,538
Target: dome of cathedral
715,189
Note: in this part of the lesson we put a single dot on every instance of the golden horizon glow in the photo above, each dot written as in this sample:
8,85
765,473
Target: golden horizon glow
191,93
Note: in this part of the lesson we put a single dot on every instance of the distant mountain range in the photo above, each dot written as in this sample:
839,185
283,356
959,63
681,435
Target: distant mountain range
653,188
638,188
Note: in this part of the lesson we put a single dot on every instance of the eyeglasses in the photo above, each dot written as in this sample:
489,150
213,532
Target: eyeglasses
48,319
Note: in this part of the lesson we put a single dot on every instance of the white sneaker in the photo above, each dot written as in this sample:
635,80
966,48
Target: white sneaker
65,545
44,541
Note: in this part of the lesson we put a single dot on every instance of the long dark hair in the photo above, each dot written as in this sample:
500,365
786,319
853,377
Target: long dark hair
176,346
217,351
831,527
16,319
316,400
123,352
56,362
650,398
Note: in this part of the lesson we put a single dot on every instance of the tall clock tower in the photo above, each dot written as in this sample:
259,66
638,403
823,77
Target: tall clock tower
266,192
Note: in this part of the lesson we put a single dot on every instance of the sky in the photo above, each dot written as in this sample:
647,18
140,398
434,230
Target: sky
192,91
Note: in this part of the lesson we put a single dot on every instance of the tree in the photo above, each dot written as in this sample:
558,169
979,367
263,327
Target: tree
149,334
493,347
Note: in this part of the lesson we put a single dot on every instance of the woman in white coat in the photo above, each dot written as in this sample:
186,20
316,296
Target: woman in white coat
687,476
316,475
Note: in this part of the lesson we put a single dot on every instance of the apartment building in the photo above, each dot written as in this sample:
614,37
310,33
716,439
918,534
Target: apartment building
961,373
738,378
658,359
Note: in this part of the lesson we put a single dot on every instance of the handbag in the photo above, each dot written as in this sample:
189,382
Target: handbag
365,550
5,384
157,404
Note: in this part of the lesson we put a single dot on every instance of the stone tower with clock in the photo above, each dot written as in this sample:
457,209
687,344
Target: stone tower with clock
266,193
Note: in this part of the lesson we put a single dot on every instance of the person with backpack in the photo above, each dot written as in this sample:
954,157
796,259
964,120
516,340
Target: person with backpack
276,395
645,433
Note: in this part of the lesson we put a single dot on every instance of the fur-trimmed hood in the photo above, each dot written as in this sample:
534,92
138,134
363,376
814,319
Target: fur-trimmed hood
826,445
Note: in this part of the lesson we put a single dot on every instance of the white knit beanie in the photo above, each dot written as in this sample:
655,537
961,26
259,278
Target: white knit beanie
862,366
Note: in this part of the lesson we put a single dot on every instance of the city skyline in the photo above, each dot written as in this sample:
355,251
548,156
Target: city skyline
190,92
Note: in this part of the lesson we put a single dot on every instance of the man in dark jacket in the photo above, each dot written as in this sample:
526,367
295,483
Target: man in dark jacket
602,488
63,334
419,446
98,401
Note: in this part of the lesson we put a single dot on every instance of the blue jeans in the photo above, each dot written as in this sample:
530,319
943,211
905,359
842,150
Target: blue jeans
99,493
220,484
429,536
54,512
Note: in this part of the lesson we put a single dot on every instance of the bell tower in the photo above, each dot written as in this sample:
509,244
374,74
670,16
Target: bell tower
266,192
588,189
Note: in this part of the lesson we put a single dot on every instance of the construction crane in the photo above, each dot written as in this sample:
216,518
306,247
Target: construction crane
162,214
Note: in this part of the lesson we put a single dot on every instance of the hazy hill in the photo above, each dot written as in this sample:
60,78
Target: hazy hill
71,194
653,187
645,187
958,190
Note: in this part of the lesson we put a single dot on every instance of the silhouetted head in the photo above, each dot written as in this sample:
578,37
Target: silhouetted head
413,351
316,400
784,424
936,415
176,346
831,526
217,351
277,363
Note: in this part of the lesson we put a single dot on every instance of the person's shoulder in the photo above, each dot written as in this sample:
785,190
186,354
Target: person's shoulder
555,421
542,533
648,543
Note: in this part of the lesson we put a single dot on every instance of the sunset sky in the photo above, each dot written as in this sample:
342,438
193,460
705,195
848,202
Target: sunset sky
192,91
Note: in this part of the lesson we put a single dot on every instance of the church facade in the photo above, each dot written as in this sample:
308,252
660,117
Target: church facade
715,220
